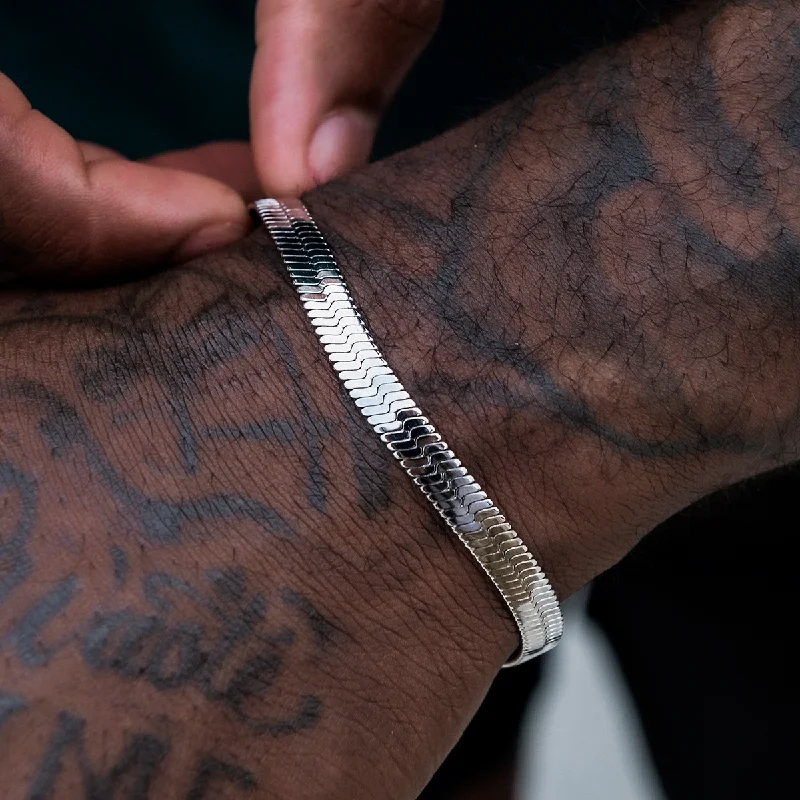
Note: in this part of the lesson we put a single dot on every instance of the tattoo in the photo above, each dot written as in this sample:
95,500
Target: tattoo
136,772
321,627
25,637
160,521
277,430
213,771
119,559
15,561
236,646
10,704
315,428
216,641
372,471
234,661
213,336
604,234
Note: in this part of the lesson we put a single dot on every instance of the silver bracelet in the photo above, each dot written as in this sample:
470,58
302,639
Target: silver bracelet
409,435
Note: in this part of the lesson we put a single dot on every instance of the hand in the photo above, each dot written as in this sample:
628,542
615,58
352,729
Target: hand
324,72
72,209
202,543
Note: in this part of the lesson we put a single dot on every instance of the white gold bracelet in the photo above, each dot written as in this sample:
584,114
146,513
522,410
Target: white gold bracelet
409,435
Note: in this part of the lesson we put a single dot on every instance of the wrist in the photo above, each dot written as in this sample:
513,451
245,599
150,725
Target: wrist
409,434
423,298
216,379
383,519
585,457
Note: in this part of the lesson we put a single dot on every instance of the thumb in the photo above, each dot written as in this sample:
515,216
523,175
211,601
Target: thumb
73,210
324,72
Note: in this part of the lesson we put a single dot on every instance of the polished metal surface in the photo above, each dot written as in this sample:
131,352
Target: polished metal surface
407,432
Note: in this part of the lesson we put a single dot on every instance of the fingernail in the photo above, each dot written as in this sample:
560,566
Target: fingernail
212,237
343,141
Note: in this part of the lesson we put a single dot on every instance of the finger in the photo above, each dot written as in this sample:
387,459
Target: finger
324,72
227,162
95,152
71,209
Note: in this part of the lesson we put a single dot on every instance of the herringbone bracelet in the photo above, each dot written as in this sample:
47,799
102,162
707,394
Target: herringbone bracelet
409,435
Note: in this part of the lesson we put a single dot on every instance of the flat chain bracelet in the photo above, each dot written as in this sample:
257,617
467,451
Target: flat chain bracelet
409,435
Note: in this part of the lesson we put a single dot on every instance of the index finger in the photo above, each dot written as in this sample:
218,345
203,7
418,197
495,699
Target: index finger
71,210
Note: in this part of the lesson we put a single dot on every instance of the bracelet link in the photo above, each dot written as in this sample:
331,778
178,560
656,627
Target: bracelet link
407,432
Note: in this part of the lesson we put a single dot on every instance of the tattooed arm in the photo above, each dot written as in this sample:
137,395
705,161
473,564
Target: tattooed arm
213,583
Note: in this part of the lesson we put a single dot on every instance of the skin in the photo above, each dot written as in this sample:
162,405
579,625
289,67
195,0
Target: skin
214,583
324,71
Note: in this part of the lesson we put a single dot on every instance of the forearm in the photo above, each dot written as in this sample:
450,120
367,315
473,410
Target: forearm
603,275
202,546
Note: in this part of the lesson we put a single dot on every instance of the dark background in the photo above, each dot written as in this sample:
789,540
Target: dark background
158,74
